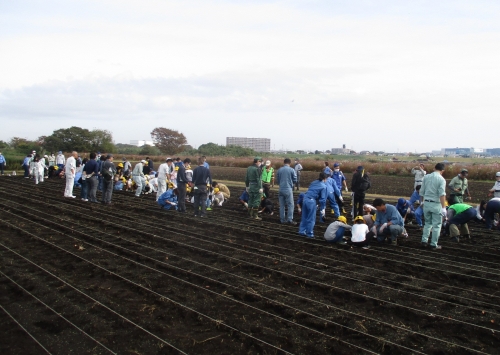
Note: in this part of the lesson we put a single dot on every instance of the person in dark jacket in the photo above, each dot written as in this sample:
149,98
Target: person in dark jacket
108,171
181,185
359,185
201,178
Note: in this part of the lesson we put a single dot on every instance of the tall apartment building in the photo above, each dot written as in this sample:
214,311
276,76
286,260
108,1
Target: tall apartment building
140,143
257,144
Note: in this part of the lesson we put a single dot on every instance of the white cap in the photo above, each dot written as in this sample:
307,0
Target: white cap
143,161
268,162
497,174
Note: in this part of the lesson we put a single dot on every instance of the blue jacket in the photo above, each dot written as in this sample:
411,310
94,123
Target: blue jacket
286,177
244,196
328,171
300,199
403,207
167,196
331,182
415,196
338,176
391,214
2,159
27,161
318,191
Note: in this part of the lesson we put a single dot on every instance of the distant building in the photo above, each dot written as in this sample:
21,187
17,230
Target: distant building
463,151
140,143
257,144
340,150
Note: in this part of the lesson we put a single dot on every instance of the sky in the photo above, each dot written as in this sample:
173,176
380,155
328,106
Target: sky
394,76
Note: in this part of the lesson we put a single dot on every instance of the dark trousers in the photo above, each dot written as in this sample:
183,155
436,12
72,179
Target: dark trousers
200,198
359,201
267,188
92,188
181,198
297,184
26,170
365,242
464,217
2,167
107,190
84,190
339,202
489,214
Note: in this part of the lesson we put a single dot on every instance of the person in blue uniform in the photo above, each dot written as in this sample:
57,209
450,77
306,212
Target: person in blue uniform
333,194
317,193
168,200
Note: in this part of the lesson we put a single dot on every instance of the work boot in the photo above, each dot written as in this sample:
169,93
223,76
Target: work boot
250,212
455,239
256,215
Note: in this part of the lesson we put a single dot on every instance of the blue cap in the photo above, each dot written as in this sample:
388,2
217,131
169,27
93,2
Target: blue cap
336,165
401,202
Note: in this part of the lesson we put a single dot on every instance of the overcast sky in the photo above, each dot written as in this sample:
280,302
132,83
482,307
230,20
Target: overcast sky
374,75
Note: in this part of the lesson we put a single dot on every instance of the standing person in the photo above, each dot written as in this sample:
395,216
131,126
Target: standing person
91,171
69,172
419,172
495,190
145,167
205,164
26,166
317,193
253,185
60,160
328,172
182,181
108,171
3,162
286,178
388,222
163,176
267,178
100,161
334,194
138,177
39,171
298,169
84,191
127,167
459,186
201,177
341,181
433,199
52,159
359,185
151,165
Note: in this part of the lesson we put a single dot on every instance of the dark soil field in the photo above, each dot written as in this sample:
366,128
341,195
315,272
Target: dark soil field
81,278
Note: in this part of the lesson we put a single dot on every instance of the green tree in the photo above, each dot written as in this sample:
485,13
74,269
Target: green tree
101,141
149,150
23,145
69,139
168,141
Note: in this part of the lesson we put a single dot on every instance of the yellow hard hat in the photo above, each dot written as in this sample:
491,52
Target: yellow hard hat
120,165
216,190
342,219
359,218
56,167
176,168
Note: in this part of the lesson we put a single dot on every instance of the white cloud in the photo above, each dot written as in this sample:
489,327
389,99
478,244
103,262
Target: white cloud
397,78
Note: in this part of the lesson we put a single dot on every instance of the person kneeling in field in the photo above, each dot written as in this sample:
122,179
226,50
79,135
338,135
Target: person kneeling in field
266,205
335,231
217,197
458,215
360,233
222,188
244,199
168,199
388,222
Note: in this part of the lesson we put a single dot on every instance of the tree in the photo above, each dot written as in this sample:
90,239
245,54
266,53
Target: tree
168,141
69,139
23,145
3,144
101,141
149,150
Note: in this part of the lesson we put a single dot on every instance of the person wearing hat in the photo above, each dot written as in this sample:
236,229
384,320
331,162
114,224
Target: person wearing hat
3,163
267,177
126,167
360,234
415,202
253,185
168,200
419,173
139,178
60,160
223,189
433,202
335,231
458,187
328,172
108,171
286,178
495,190
333,195
339,177
316,194
298,169
388,222
359,185
217,198
405,209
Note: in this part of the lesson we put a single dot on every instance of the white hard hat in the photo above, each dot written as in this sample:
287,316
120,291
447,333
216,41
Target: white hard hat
497,174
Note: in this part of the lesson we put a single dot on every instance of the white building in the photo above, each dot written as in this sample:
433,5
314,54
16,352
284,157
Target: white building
140,143
257,144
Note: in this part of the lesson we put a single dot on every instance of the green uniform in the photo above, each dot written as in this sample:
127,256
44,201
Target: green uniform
254,185
458,183
433,187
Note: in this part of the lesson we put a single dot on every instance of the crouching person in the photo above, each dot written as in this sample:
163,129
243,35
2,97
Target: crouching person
168,200
336,230
266,205
388,222
458,216
360,233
